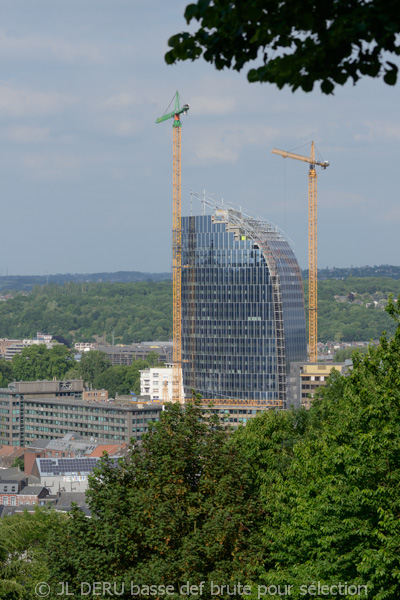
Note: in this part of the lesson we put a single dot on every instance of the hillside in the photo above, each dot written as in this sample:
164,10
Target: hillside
27,282
349,310
135,312
353,309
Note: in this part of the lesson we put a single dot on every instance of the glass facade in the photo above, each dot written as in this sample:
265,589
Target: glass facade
243,319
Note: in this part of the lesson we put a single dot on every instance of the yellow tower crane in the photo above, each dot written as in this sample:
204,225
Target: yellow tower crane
176,247
312,244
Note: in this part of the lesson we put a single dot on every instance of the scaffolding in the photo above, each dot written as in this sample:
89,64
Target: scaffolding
192,301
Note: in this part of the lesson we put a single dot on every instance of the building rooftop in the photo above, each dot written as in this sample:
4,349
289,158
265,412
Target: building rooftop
32,490
67,498
56,467
12,474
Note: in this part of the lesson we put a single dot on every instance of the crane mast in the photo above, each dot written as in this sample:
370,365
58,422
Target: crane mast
312,246
176,247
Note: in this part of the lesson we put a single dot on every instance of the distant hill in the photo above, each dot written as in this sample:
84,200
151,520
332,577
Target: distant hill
349,309
390,271
27,282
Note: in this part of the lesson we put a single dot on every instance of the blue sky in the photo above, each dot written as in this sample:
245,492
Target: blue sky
86,174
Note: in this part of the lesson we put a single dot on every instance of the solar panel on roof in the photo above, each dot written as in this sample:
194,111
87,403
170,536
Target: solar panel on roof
59,466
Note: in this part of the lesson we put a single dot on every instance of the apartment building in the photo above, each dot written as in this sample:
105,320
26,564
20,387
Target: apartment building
156,383
51,409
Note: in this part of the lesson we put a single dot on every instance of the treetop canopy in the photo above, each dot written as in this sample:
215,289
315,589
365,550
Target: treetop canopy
297,43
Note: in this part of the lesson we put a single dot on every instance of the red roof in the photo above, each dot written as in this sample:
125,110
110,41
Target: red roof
109,448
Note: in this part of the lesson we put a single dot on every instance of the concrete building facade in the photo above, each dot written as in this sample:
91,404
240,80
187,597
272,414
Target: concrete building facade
156,383
51,409
305,379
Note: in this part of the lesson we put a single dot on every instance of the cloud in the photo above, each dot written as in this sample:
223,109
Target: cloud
120,101
345,200
19,102
42,47
50,167
206,105
27,134
226,145
118,126
390,216
379,130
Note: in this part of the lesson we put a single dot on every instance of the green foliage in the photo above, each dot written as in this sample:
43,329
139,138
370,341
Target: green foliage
331,488
23,555
39,362
138,312
294,497
121,379
6,375
348,322
181,509
92,364
297,44
135,312
19,462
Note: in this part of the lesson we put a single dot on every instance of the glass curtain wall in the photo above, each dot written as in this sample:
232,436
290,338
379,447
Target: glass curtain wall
229,347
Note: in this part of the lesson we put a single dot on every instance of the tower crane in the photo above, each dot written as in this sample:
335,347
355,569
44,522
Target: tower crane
312,244
176,247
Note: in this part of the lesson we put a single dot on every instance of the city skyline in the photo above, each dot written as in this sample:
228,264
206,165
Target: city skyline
87,175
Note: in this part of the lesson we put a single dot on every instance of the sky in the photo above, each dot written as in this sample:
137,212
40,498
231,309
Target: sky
86,174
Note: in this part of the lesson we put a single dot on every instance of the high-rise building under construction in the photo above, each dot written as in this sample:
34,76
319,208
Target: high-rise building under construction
243,319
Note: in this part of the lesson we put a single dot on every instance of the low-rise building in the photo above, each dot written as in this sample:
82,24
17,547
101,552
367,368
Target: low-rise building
66,474
85,346
95,395
9,348
236,413
6,343
16,489
72,445
305,379
124,355
8,455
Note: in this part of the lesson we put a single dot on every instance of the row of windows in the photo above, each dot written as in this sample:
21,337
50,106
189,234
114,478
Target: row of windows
72,416
53,429
85,409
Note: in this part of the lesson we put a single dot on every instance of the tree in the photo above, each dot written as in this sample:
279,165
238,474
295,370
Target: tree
123,379
347,353
40,362
6,375
332,492
92,364
19,462
23,556
298,44
118,380
180,510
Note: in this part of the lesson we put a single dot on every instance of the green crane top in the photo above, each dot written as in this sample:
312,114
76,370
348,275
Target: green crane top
175,113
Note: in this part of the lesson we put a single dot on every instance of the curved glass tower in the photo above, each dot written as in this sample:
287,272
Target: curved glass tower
243,319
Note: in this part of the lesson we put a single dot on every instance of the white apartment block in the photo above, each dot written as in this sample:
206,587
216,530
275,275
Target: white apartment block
156,382
84,346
